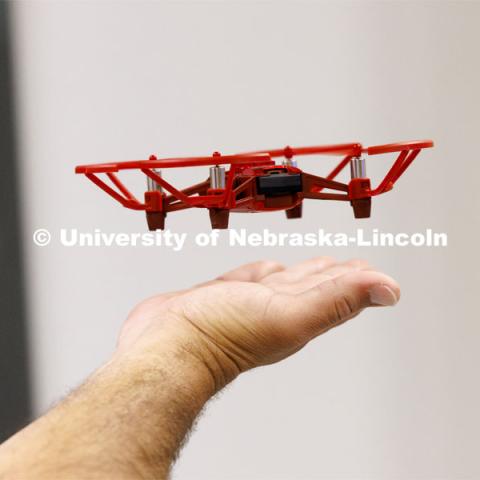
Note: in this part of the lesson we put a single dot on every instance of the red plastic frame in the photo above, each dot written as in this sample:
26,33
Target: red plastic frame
240,192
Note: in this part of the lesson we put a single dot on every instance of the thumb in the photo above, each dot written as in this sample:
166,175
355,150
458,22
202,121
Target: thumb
332,302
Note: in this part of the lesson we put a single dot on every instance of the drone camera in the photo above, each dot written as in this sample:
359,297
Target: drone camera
279,184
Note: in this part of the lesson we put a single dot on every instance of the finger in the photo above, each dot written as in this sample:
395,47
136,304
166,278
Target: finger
332,302
332,272
300,270
309,281
340,269
251,272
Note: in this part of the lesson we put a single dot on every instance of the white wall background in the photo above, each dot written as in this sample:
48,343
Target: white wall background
393,394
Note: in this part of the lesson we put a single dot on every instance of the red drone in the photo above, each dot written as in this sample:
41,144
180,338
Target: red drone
254,182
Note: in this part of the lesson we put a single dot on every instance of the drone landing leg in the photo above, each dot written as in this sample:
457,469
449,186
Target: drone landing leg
156,220
219,217
362,207
295,212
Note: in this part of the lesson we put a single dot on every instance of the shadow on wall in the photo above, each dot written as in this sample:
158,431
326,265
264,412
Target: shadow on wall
14,378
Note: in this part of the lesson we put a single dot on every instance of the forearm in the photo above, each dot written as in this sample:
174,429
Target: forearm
127,421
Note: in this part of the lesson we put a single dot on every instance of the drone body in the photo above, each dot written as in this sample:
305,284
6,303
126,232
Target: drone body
254,182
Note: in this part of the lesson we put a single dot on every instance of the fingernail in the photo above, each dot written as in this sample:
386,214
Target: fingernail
382,295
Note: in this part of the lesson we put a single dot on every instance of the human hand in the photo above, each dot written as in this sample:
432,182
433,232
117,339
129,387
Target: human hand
257,314
129,419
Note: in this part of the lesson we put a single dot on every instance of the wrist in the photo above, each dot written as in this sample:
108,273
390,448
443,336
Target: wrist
194,358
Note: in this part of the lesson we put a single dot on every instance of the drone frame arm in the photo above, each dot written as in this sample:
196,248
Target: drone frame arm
126,198
403,161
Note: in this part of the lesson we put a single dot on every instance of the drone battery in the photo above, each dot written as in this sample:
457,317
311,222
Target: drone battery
277,184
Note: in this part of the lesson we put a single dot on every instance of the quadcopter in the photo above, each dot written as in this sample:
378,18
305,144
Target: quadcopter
254,181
